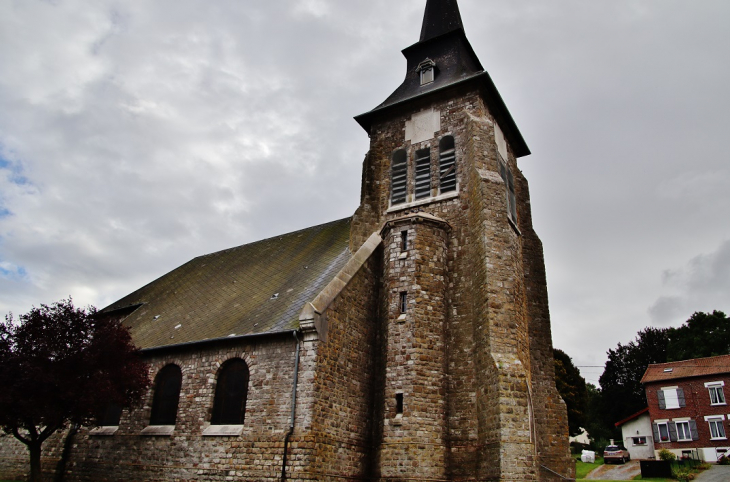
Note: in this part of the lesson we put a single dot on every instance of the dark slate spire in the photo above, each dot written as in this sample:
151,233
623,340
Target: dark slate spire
443,45
442,16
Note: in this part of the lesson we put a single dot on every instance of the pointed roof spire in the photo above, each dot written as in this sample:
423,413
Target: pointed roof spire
441,16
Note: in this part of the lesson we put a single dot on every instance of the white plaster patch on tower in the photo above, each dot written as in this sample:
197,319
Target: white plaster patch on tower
423,126
501,143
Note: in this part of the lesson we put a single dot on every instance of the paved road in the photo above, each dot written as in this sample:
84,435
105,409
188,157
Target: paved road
716,473
626,471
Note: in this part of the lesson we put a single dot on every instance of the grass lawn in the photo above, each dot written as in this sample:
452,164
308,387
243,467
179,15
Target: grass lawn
582,468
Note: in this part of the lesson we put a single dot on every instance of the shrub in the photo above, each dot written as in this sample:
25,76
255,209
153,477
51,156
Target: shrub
665,454
683,475
724,460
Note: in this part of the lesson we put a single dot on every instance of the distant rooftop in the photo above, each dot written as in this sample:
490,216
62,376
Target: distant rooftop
696,367
254,289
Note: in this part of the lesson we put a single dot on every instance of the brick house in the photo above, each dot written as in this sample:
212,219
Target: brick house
687,406
409,342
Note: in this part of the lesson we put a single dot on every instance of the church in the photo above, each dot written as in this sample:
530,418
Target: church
409,342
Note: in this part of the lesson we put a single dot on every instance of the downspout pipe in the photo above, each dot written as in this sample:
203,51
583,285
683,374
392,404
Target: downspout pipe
293,407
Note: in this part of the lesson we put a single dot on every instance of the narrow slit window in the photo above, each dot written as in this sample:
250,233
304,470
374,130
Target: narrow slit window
404,240
423,173
399,177
399,404
403,302
447,164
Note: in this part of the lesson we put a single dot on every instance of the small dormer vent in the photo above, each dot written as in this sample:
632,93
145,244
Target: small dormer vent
426,70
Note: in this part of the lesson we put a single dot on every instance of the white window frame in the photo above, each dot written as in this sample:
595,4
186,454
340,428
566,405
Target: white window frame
671,395
659,430
640,440
716,421
684,434
715,388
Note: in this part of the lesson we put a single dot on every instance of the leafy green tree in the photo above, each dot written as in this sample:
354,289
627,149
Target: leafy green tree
572,387
597,431
703,335
63,365
622,393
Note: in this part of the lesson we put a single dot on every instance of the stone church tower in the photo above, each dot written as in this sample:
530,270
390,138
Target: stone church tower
467,388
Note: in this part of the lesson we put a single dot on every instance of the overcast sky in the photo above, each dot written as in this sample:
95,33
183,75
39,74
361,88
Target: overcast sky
135,135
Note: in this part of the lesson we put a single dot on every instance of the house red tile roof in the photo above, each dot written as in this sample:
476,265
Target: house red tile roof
696,367
631,417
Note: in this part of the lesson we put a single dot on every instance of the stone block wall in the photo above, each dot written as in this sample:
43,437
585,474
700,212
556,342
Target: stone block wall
187,454
413,441
332,438
504,416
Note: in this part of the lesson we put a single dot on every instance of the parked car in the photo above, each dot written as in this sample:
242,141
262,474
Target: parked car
616,453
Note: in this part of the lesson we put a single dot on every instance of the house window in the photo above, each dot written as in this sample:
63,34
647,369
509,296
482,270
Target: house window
509,184
670,398
423,173
404,240
398,177
167,395
662,432
683,432
447,164
231,391
717,396
639,440
717,430
426,71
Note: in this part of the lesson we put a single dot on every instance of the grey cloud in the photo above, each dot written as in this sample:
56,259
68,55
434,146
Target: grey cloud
702,284
142,134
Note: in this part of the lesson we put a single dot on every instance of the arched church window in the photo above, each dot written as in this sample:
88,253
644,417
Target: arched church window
398,176
447,164
423,173
231,391
166,396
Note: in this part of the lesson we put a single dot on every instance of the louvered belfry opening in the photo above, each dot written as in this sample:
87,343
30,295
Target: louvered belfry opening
447,164
423,173
167,395
231,391
399,176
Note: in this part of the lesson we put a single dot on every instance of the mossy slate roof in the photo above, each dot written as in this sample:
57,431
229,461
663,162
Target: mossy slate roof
257,288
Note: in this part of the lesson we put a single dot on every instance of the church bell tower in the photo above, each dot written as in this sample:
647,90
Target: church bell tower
466,386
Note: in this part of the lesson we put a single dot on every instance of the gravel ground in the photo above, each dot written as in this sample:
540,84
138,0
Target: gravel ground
716,473
626,471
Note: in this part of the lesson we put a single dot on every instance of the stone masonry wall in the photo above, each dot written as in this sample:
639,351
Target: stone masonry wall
332,439
413,442
187,455
492,341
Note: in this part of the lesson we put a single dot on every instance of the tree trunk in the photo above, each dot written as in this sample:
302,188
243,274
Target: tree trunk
35,462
